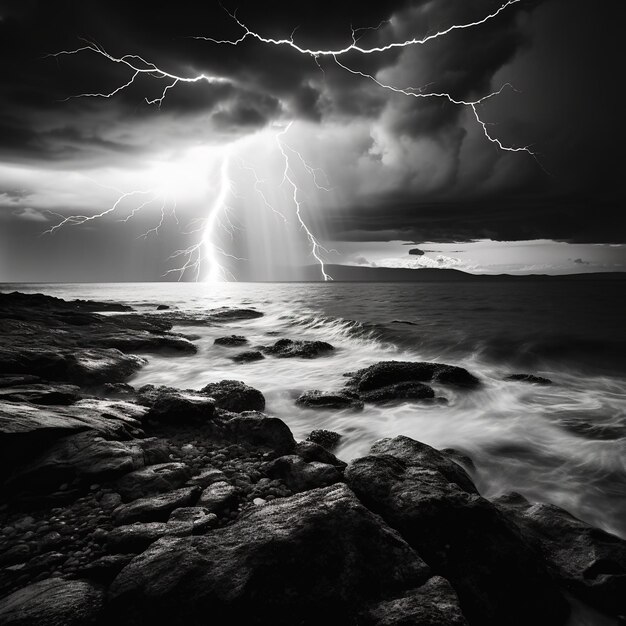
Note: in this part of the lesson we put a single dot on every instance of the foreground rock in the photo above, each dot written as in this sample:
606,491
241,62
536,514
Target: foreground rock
175,406
300,475
41,394
588,562
288,348
272,567
233,395
462,536
326,438
388,373
155,508
152,480
433,604
53,602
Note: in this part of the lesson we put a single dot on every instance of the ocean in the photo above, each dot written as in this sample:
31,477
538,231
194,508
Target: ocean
564,444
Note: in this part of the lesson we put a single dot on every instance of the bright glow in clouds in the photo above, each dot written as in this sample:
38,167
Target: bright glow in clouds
164,195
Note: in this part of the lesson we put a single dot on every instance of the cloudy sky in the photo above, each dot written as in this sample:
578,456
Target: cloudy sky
375,169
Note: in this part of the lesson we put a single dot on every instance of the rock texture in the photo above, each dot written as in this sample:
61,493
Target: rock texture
289,348
233,395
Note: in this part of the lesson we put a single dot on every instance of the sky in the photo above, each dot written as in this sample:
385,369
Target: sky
278,158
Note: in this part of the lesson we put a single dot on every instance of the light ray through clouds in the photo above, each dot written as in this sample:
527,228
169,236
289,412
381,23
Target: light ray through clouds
205,251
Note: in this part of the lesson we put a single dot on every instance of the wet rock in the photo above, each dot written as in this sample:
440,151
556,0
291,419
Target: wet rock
219,496
231,341
330,400
590,563
42,394
207,477
199,517
170,405
326,438
299,475
155,508
310,451
386,373
401,391
435,603
135,538
163,307
152,480
16,381
258,430
529,378
53,602
272,566
459,457
248,356
16,301
85,457
463,537
117,391
289,348
233,395
417,453
105,568
234,315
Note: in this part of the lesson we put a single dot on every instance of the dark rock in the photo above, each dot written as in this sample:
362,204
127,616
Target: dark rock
386,373
234,315
118,391
326,438
53,602
155,508
207,477
105,568
299,475
16,381
435,603
529,378
163,307
313,558
219,496
18,553
330,400
417,453
152,480
171,405
233,395
42,394
231,341
461,458
135,538
258,430
416,252
401,391
199,517
248,356
288,348
590,563
15,300
464,538
310,451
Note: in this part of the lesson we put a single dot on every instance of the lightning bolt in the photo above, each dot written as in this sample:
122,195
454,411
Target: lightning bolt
205,251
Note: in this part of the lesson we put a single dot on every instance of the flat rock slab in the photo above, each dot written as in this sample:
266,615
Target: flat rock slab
313,558
42,394
53,602
155,508
433,604
289,348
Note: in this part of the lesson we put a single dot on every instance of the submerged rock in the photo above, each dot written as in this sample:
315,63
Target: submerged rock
231,341
463,537
401,391
248,356
53,602
233,395
289,348
590,563
272,566
529,378
330,400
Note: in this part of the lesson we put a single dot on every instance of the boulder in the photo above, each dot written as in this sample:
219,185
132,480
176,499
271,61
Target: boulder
105,568
155,508
312,558
300,475
170,405
151,480
463,537
590,563
326,438
231,341
330,400
310,451
248,356
200,518
435,603
233,395
401,391
289,348
218,497
258,430
53,602
135,538
207,477
529,378
386,373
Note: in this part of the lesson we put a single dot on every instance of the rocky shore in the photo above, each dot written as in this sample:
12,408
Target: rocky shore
163,505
